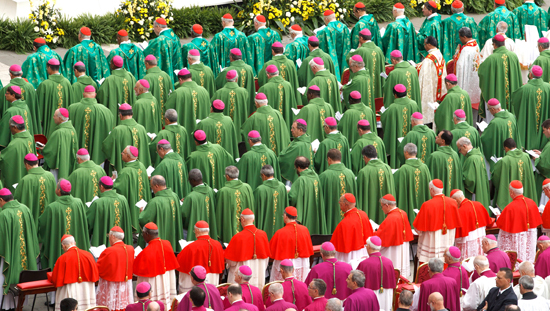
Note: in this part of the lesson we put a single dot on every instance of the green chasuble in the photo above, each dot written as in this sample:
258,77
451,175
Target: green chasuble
28,95
542,164
166,48
366,21
116,90
259,44
60,151
314,114
222,43
231,201
127,133
199,204
211,160
543,60
220,130
449,30
516,165
252,162
445,165
412,186
375,62
531,14
133,184
178,138
271,126
474,176
499,77
404,73
200,44
401,35
488,25
175,48
164,210
287,71
270,201
501,127
236,102
12,168
66,215
456,98
333,140
396,122
173,169
463,129
192,103
299,146
85,180
530,105
424,139
19,249
306,196
54,93
111,209
91,54
20,108
36,190
348,124
245,80
203,76
330,91
431,26
282,96
297,50
160,85
362,83
356,153
334,39
336,181
304,72
35,66
374,181
134,60
147,112
93,123
78,87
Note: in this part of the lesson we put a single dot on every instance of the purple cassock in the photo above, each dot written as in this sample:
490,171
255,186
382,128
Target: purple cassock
457,272
295,292
241,305
542,265
212,301
318,304
377,268
142,305
251,294
325,271
362,299
281,305
497,259
446,286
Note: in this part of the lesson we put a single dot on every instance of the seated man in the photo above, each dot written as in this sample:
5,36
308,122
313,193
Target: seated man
529,300
501,295
481,286
235,297
143,293
276,292
213,299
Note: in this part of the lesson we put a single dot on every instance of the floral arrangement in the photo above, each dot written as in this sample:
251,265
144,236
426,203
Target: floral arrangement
140,15
45,18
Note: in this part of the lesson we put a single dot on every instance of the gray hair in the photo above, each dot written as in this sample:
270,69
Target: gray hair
356,63
406,298
164,147
457,10
202,230
531,69
544,45
516,191
372,246
287,269
272,74
334,304
85,157
194,57
129,153
489,241
435,265
227,20
527,282
481,261
232,172
327,253
313,64
16,73
465,31
502,26
63,118
152,62
117,235
68,241
384,201
17,126
171,115
247,217
267,170
358,277
255,140
276,289
84,37
463,142
233,79
195,175
158,180
457,195
402,11
261,102
527,268
246,278
436,190
411,149
451,256
160,25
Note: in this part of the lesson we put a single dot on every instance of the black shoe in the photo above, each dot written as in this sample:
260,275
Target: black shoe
49,305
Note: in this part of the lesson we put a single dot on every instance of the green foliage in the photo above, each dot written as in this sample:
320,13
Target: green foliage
17,35
209,18
381,9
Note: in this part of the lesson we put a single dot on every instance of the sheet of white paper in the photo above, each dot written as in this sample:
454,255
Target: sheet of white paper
152,135
184,243
400,139
433,105
382,110
302,90
541,209
352,50
287,188
414,232
468,265
416,210
215,190
150,170
315,144
320,28
339,85
198,121
394,170
181,202
176,71
482,125
15,185
141,204
237,159
143,45
495,159
382,31
496,211
92,201
374,225
533,165
412,63
180,297
299,62
338,115
384,75
101,81
137,250
115,173
532,153
96,251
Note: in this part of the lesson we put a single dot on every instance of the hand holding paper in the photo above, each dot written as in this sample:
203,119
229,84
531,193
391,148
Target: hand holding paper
482,125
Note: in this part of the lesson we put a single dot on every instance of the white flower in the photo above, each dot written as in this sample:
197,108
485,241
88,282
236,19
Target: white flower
150,17
248,23
36,29
142,37
292,19
125,11
53,23
141,22
288,14
251,15
162,15
295,2
36,21
138,8
345,10
131,22
55,39
171,18
147,34
292,6
337,4
340,10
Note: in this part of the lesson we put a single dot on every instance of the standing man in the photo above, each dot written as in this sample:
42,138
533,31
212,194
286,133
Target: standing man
297,50
85,177
210,296
160,83
316,111
444,163
172,168
420,135
270,200
131,54
456,98
474,172
332,272
361,298
431,73
245,74
316,290
236,98
334,39
431,27
12,167
349,123
467,59
543,60
403,74
300,146
174,133
60,151
326,82
374,59
82,81
450,27
117,88
455,270
362,81
34,67
88,52
252,161
334,140
440,283
481,286
197,43
260,43
464,129
226,40
400,35
220,129
202,74
488,27
364,21
28,94
282,95
198,205
165,47
529,14
304,72
17,107
146,108
503,294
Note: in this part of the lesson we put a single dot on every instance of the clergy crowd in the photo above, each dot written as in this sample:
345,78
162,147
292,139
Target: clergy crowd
199,177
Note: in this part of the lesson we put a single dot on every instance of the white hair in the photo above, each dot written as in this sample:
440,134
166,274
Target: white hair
84,37
68,241
459,194
84,157
495,107
159,25
372,246
202,230
435,189
489,241
356,63
227,20
334,304
295,31
247,217
261,101
257,21
459,119
516,191
481,261
451,256
402,11
313,64
502,27
194,57
527,268
234,79
246,278
276,73
116,234
415,119
459,10
330,17
129,153
63,118
384,201
276,289
463,141
546,186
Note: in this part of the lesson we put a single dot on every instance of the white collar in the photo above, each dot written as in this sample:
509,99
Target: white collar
270,178
318,297
412,159
461,121
277,300
163,30
175,123
335,132
131,161
170,151
434,49
298,35
470,150
229,27
257,144
261,27
126,42
236,301
434,14
202,184
471,40
400,17
500,291
277,54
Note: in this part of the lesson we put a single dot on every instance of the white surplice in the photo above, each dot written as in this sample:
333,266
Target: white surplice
477,292
428,80
258,267
488,47
524,243
541,288
432,244
466,66
301,269
83,292
114,295
185,282
400,256
537,304
470,246
163,287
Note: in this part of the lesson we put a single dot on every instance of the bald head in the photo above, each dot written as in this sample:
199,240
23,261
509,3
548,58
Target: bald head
153,306
527,268
436,301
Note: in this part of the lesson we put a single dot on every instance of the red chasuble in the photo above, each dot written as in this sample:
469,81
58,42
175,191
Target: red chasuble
438,213
352,232
204,252
472,216
291,241
519,216
116,263
250,243
395,229
75,266
157,258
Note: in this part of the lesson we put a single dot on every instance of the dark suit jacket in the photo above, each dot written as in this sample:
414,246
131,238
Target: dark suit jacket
497,302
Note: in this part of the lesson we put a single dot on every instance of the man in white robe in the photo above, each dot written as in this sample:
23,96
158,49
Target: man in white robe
502,27
432,70
529,300
479,289
467,59
540,286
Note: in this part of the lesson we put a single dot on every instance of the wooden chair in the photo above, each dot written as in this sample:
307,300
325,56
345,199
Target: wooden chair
174,305
378,104
401,284
513,255
345,76
40,139
265,290
389,68
422,273
222,288
537,255
31,283
98,308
